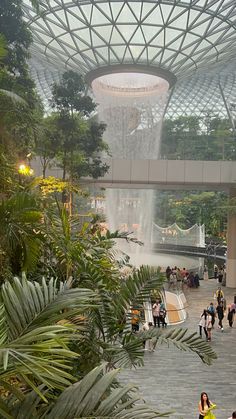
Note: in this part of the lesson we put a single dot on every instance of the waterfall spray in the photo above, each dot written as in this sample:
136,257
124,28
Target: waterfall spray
132,105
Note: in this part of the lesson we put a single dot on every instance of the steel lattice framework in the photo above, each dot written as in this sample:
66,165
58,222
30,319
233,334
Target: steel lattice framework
194,40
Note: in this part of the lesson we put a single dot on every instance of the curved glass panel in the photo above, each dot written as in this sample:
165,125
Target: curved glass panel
193,39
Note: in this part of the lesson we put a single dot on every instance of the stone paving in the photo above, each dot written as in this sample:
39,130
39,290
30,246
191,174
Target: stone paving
173,380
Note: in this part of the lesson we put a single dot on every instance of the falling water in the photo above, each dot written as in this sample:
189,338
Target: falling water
132,106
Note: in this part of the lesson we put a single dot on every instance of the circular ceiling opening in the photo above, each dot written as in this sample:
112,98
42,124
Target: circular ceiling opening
130,84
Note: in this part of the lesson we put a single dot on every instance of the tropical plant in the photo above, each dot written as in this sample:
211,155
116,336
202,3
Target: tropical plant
88,257
20,107
33,343
39,323
79,135
195,138
3,51
98,395
20,230
187,209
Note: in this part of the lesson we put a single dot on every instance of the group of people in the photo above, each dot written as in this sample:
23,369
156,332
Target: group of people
215,311
159,318
158,313
205,407
177,278
208,316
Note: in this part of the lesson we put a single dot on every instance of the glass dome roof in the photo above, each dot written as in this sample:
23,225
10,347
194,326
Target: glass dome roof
195,40
180,36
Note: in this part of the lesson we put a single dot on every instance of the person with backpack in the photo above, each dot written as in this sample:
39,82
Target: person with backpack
211,309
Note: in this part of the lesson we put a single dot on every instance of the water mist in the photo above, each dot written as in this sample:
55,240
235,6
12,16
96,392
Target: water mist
132,106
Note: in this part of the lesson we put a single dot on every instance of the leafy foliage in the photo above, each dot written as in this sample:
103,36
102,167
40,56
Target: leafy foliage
180,339
33,343
209,208
20,224
79,136
53,334
19,105
198,138
98,395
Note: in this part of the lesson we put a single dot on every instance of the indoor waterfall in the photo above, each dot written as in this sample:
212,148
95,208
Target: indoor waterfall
132,106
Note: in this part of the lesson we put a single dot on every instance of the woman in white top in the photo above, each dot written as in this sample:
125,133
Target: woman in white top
156,313
202,324
209,325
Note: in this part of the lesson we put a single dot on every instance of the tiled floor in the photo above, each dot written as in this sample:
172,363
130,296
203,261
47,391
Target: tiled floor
173,380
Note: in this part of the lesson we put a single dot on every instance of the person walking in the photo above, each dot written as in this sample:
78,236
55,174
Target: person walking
202,324
231,313
209,326
219,294
135,319
196,281
220,274
179,278
216,271
211,309
205,273
162,315
191,280
172,281
205,407
220,314
156,313
168,272
148,343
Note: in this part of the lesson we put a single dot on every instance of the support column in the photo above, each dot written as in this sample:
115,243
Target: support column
231,246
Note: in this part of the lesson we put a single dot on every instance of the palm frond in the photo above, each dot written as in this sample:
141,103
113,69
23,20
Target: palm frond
5,411
98,395
138,286
29,305
42,354
20,215
127,354
13,96
3,325
181,340
30,406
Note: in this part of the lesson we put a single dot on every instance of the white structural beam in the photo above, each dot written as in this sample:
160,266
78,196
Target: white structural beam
161,174
167,174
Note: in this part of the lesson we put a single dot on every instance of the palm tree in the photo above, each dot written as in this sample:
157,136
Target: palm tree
39,323
89,258
33,343
98,395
